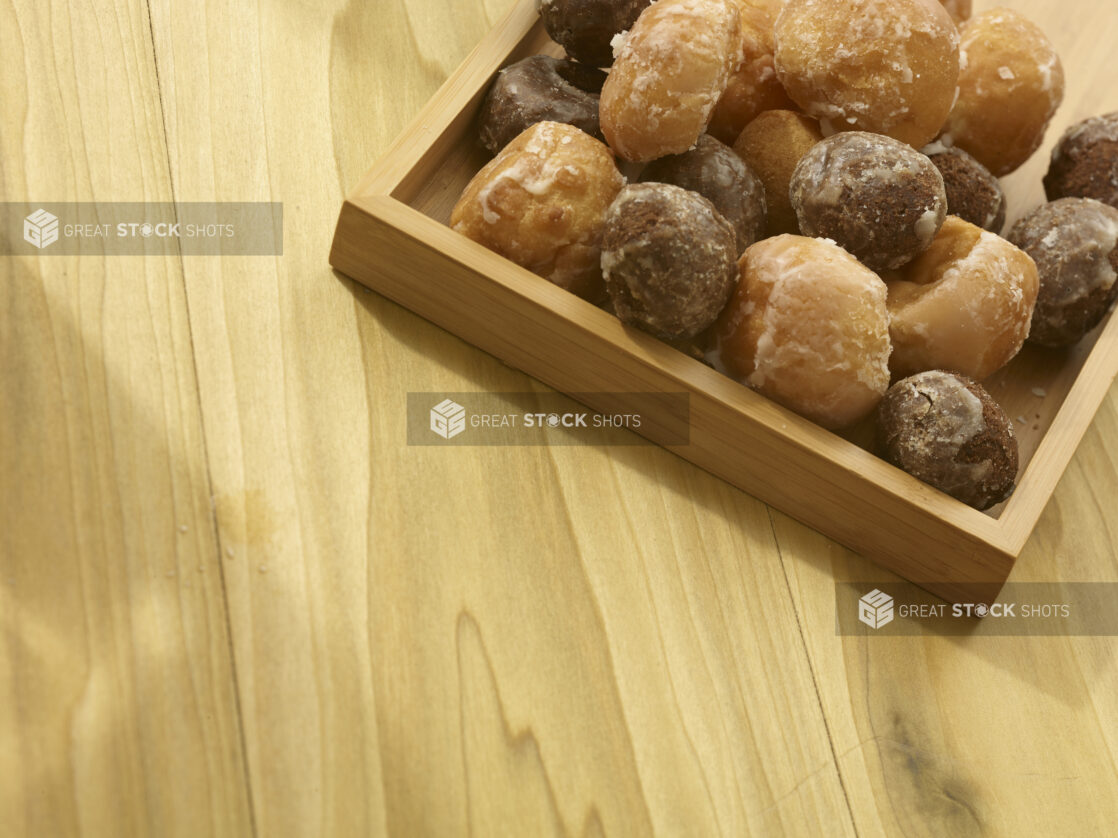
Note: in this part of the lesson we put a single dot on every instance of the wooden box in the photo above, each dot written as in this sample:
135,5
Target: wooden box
392,237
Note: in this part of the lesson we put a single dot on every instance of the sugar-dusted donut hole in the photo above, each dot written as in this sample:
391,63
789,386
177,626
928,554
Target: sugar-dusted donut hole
1010,86
671,69
885,66
542,203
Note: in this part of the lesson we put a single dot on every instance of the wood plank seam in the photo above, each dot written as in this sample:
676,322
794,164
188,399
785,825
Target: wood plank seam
811,669
246,774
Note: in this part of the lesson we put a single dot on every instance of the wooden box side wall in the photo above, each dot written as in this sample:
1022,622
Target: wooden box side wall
818,478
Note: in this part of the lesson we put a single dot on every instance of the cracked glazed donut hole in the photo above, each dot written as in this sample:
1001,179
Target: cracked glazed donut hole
1074,242
946,430
670,72
1010,86
973,193
963,305
875,196
754,87
715,172
540,89
668,260
1085,162
772,145
885,66
807,326
584,28
541,202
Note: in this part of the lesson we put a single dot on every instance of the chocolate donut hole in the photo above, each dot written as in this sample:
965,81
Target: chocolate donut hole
973,193
1085,162
877,197
713,170
669,259
1074,242
945,429
585,28
540,89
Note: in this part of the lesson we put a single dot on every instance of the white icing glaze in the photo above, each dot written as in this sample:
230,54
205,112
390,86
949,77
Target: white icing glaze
845,371
617,43
963,406
927,225
1089,245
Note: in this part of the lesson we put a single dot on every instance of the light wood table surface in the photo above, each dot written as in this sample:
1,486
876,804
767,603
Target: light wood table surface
233,601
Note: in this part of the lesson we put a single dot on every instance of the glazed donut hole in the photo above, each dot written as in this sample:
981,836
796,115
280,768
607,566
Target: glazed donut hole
946,430
722,177
668,258
670,71
773,145
875,196
964,305
807,326
754,87
1010,86
1074,242
1084,162
539,89
541,203
884,66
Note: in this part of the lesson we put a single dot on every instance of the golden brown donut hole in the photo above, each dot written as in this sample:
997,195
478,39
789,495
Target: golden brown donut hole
807,326
773,145
671,70
754,87
963,305
541,202
1010,86
884,66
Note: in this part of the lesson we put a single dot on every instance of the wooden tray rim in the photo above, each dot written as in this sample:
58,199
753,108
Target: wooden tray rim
376,196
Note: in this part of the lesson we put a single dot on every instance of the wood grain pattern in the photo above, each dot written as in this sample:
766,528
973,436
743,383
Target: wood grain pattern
118,711
245,89
428,641
985,735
